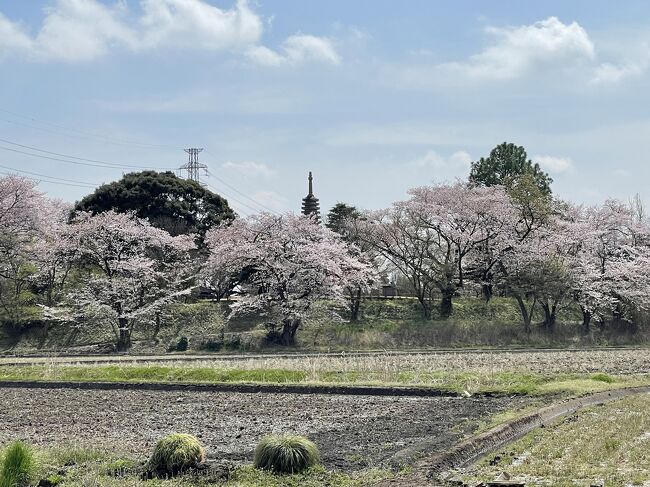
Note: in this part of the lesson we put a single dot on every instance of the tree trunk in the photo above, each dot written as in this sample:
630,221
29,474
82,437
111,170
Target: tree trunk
550,316
487,292
426,307
289,328
157,328
124,338
526,315
446,305
355,305
586,320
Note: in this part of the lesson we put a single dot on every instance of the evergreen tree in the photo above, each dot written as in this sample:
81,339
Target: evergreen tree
178,206
505,164
338,215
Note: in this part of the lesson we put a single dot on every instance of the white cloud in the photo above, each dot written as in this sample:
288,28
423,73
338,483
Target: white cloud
458,160
265,56
12,37
554,165
249,169
518,50
81,30
84,30
612,73
196,24
296,49
300,47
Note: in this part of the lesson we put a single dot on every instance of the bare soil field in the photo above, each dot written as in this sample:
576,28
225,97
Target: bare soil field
353,432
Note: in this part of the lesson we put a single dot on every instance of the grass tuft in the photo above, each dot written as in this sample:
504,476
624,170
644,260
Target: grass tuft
286,454
18,466
603,378
175,453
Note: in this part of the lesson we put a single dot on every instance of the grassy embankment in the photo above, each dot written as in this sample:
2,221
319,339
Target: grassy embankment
531,373
384,324
82,467
605,445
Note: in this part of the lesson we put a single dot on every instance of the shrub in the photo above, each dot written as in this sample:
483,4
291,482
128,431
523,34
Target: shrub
176,452
180,346
18,465
286,453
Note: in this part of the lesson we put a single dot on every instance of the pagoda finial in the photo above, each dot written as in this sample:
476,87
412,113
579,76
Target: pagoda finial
310,205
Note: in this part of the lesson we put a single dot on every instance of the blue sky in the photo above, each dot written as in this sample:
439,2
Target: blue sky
374,96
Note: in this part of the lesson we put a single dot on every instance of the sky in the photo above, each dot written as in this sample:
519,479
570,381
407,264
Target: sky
373,96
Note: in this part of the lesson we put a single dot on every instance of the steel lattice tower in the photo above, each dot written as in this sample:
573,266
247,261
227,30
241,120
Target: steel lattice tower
193,166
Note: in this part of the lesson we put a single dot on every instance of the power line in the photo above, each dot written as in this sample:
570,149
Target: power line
225,183
232,198
36,180
79,133
86,161
94,163
260,205
72,181
276,199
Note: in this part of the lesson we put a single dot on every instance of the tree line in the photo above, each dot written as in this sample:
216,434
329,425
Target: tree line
126,251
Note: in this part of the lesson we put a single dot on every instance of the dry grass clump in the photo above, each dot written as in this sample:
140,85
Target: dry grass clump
286,454
175,453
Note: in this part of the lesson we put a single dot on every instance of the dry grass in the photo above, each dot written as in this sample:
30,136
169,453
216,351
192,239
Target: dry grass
554,372
611,361
619,362
607,444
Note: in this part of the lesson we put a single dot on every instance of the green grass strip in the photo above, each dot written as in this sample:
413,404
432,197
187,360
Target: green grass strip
522,383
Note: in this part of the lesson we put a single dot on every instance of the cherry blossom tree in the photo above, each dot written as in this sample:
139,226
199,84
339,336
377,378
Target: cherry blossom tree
53,251
610,259
345,220
22,209
534,272
133,268
286,263
429,237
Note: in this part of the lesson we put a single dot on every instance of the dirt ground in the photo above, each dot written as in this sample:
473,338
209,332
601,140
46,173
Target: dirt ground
352,432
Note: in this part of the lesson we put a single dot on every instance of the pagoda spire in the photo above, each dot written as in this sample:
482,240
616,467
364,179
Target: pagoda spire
310,204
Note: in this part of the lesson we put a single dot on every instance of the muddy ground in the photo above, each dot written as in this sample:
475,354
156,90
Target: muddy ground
352,432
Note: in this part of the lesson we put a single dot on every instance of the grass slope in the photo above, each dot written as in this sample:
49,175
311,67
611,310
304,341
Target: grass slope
605,445
383,323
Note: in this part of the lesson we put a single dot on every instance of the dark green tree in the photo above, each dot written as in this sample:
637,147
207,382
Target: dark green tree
342,219
339,215
177,205
505,164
